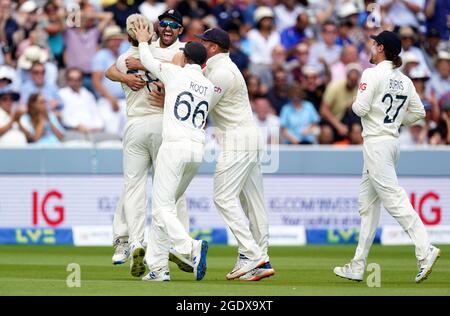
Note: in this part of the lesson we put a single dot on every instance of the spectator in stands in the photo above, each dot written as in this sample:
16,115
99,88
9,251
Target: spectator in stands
326,50
408,37
8,26
301,58
32,55
299,119
403,12
292,36
194,27
27,19
112,98
439,84
354,135
279,57
349,54
313,85
151,9
430,48
226,12
254,88
54,24
286,14
437,13
337,101
326,134
410,61
262,40
269,124
40,125
81,115
85,38
415,134
193,9
236,54
278,94
10,130
121,10
38,84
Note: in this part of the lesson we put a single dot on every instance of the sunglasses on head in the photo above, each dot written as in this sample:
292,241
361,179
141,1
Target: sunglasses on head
172,24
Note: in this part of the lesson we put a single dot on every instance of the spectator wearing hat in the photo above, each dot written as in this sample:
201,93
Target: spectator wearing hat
85,38
326,50
299,119
40,125
403,12
9,77
298,33
430,48
37,83
419,77
262,40
349,17
111,96
337,101
349,54
313,86
439,83
27,18
287,13
408,37
32,55
410,61
10,130
436,13
268,123
121,10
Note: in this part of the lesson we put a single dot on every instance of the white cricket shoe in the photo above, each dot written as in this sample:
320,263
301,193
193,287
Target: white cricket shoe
243,266
350,272
199,252
182,263
257,274
158,276
426,265
137,266
121,252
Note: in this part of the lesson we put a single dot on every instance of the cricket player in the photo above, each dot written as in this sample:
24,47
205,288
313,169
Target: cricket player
142,139
187,103
238,172
386,99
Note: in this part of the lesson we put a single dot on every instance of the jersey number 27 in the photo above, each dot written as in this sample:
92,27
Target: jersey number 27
391,119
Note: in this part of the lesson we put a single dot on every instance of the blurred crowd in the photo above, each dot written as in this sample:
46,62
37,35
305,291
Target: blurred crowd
302,61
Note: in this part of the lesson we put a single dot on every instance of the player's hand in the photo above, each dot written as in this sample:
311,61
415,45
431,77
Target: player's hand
135,82
142,32
133,63
157,94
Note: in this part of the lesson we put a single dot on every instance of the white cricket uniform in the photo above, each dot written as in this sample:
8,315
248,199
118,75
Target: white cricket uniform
238,170
186,105
141,142
386,99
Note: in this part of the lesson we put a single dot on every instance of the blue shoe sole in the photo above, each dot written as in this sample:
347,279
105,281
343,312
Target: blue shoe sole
201,269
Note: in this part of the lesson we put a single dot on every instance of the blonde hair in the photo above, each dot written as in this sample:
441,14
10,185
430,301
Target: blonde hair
136,18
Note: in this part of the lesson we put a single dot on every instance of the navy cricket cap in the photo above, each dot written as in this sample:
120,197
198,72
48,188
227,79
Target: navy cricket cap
390,41
217,36
172,14
196,52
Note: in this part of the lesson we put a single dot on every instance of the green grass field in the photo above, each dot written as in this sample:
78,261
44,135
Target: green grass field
41,270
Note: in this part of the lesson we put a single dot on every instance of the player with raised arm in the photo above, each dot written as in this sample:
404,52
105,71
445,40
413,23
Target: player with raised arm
386,99
142,139
187,103
238,174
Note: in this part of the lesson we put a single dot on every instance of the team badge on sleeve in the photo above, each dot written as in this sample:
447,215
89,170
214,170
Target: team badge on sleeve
362,86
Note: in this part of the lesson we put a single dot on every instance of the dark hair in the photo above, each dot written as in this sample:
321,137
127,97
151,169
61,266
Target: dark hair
396,59
32,110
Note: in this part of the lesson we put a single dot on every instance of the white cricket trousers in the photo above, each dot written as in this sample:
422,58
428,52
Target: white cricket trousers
176,165
237,178
379,185
141,143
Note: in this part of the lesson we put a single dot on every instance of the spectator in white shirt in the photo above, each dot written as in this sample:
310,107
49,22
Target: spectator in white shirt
403,12
11,133
286,14
408,37
268,123
81,115
262,40
326,50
